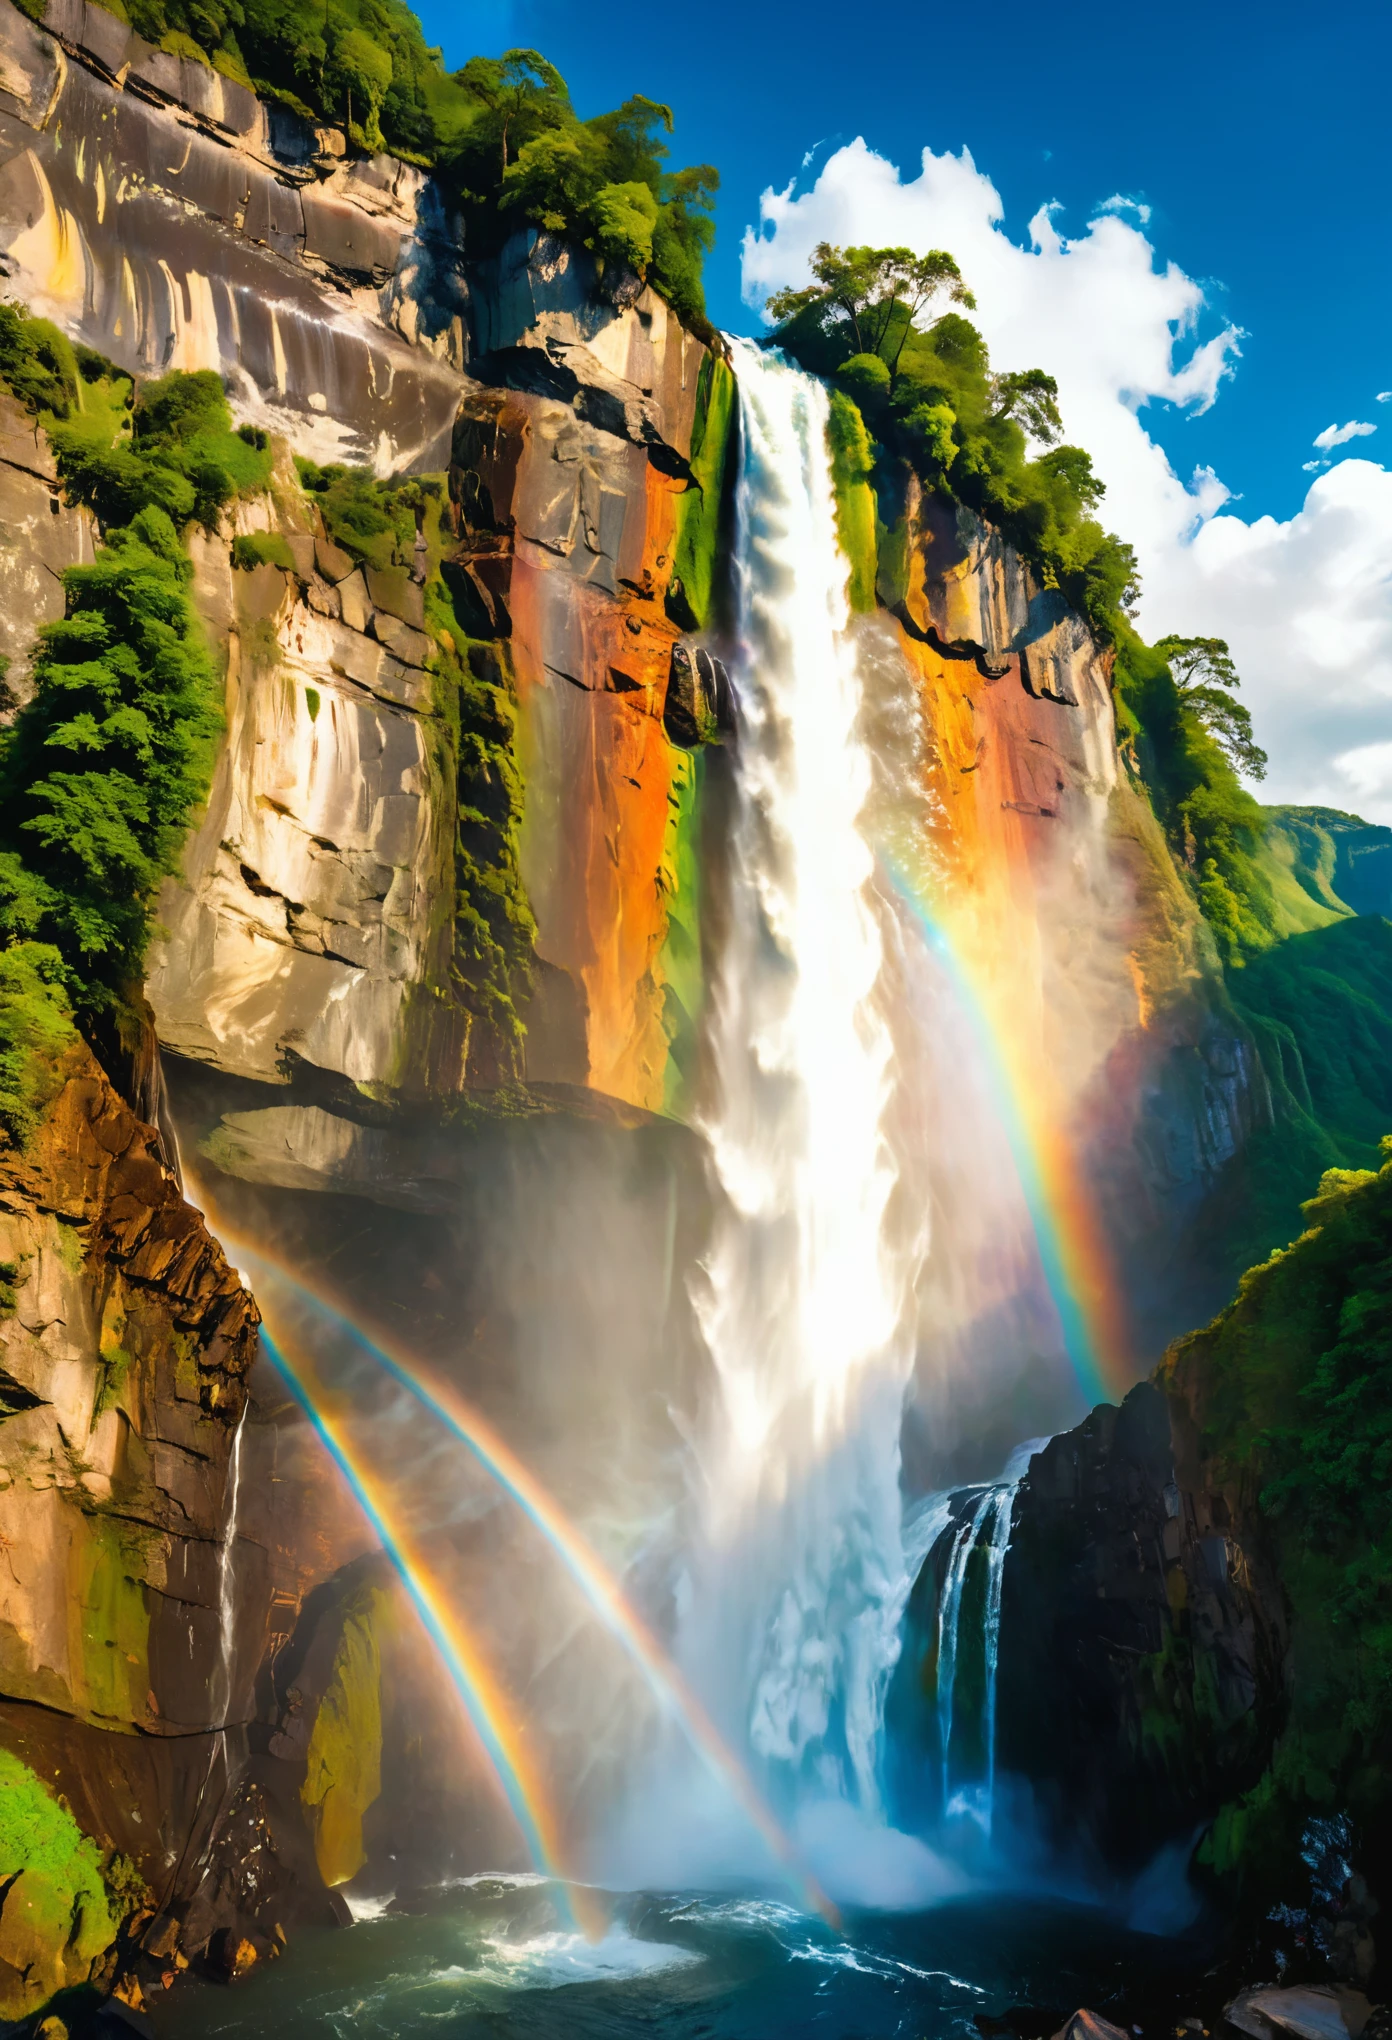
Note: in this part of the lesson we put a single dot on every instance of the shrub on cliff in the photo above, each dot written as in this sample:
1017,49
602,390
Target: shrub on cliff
36,1026
1188,738
172,446
373,521
102,768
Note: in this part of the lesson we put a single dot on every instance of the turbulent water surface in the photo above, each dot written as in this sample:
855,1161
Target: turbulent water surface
490,1956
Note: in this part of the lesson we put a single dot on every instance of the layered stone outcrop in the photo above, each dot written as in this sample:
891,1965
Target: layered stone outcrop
314,881
126,1341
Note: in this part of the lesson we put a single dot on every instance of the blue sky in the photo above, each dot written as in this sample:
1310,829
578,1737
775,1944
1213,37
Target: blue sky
1256,134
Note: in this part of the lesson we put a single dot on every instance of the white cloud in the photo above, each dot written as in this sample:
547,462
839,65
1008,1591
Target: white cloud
1119,203
1339,435
1306,603
1384,396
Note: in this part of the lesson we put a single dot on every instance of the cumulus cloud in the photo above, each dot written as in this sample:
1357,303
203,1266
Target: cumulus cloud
1306,603
1339,435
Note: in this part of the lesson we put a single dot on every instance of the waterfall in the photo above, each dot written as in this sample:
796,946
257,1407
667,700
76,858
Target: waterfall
995,1587
964,1543
227,1603
801,1297
983,1525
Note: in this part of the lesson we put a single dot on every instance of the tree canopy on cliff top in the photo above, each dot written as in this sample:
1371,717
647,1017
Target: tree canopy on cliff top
928,395
500,132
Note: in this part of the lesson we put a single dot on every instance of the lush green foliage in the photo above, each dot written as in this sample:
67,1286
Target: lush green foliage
375,522
36,1026
868,288
262,549
852,473
172,449
929,397
103,766
697,539
1215,827
1297,1380
1319,1006
37,363
501,132
1204,676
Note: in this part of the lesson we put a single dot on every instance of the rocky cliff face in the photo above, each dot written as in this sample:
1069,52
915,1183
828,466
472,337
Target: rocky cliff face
179,1589
165,216
1143,1635
1068,911
126,1343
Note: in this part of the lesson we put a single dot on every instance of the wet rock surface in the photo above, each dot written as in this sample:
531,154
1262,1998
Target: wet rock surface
1142,1636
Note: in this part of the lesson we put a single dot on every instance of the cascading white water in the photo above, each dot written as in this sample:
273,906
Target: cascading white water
964,1543
984,1525
802,1295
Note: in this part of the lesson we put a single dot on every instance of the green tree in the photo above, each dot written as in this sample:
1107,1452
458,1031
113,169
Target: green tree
1205,675
878,292
359,65
1030,397
521,93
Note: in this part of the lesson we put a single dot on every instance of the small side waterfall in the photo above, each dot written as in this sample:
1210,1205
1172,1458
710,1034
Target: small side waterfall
227,1581
977,1537
986,1530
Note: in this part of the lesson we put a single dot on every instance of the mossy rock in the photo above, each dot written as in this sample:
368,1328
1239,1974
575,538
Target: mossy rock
59,1915
343,1773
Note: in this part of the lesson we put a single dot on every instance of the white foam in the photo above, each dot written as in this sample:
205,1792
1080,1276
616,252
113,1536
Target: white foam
548,1961
366,1906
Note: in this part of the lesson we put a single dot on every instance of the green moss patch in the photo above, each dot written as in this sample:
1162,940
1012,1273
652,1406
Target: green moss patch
852,470
67,1901
679,969
696,544
343,1773
36,1028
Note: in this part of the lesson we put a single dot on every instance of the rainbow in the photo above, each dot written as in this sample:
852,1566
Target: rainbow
596,1583
485,1703
1073,1253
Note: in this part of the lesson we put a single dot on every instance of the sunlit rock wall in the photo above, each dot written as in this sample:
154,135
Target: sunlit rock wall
1066,907
165,216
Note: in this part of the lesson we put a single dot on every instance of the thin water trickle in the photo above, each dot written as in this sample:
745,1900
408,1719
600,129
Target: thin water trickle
227,1580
